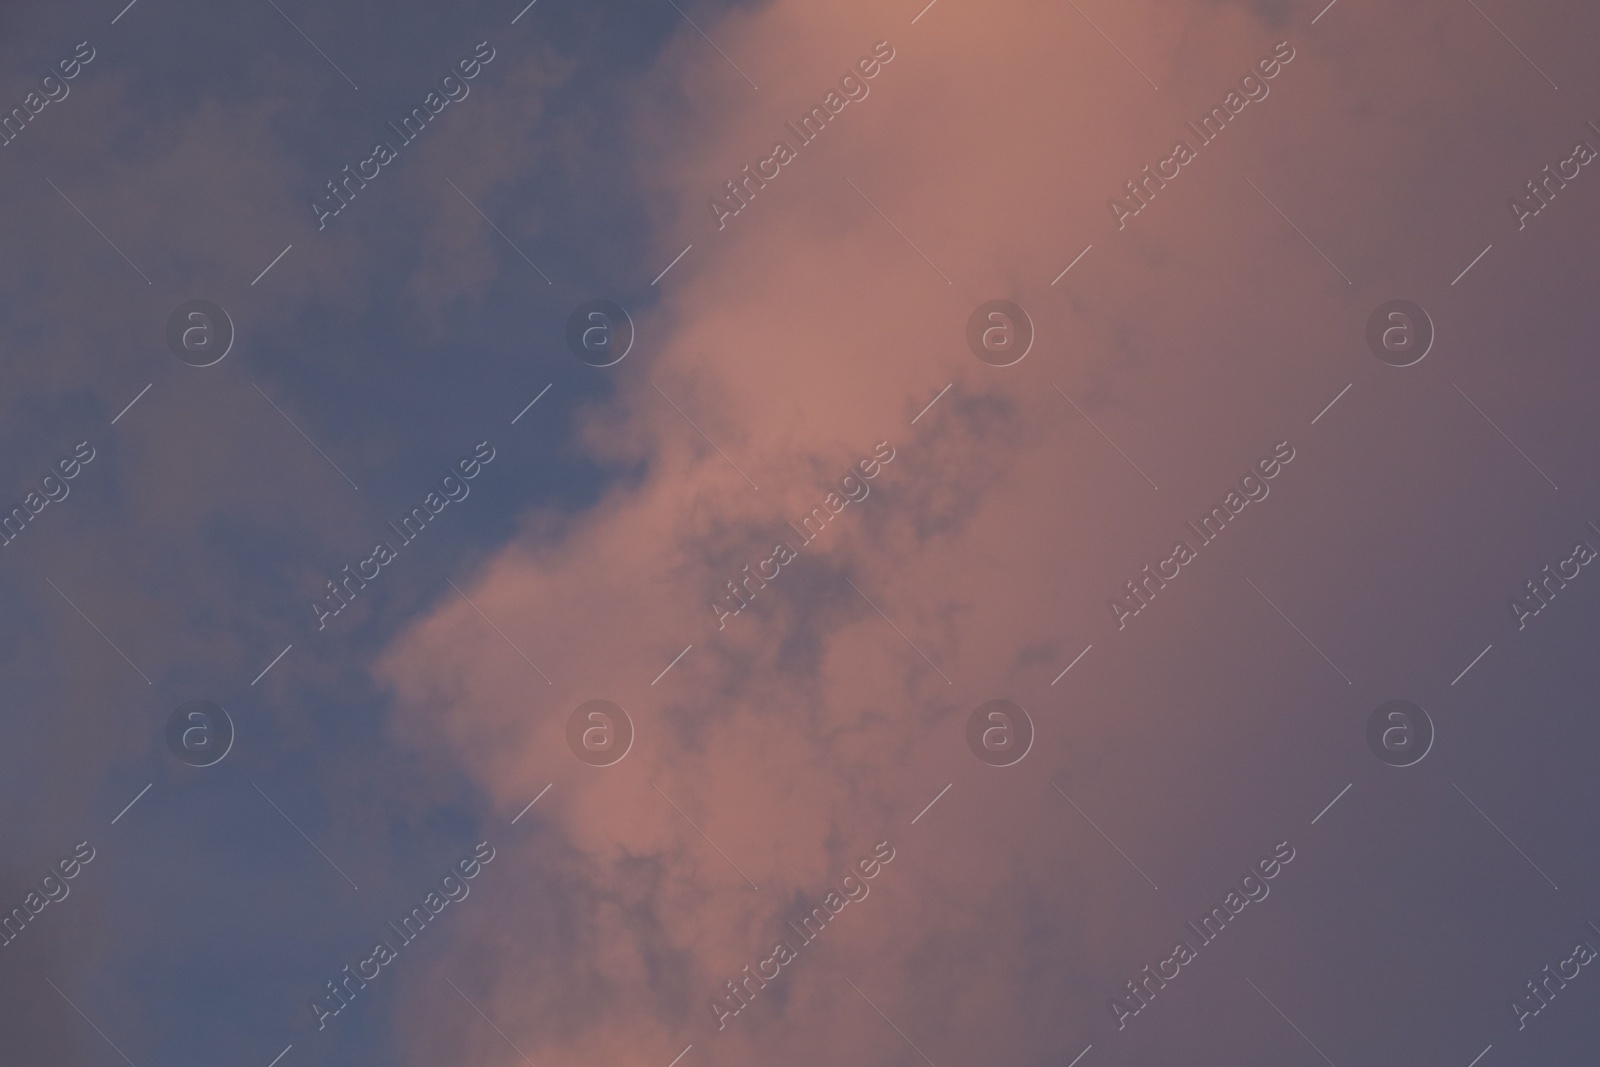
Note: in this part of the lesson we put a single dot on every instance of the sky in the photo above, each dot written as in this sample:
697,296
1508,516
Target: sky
798,532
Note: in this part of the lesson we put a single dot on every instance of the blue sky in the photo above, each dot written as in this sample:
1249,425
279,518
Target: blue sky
372,355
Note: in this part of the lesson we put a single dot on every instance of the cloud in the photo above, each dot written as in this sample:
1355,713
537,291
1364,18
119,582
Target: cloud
820,321
808,329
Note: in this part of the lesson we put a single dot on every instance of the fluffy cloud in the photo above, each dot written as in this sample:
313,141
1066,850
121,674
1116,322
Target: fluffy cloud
820,323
